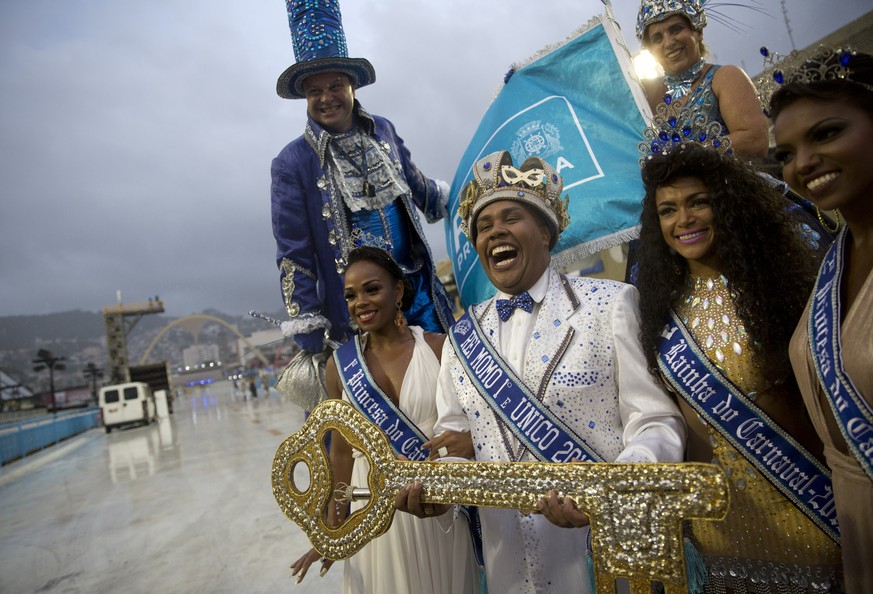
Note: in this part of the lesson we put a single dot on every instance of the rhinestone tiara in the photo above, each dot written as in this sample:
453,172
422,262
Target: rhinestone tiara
655,11
819,64
361,238
675,125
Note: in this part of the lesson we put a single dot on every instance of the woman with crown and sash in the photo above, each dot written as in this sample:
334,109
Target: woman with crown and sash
723,277
389,373
823,122
672,32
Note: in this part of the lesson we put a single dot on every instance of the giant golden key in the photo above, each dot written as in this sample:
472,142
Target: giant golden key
636,510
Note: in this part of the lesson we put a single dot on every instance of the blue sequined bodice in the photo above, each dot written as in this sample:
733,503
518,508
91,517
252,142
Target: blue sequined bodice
389,224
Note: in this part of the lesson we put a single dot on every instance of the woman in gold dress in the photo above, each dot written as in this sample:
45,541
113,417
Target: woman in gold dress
723,278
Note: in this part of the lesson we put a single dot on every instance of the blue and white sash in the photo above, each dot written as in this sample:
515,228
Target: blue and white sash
765,445
375,405
532,423
852,412
404,436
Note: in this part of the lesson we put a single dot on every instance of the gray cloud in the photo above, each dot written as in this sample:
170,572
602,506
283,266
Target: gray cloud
136,138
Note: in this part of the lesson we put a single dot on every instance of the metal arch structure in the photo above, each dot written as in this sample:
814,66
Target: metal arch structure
194,324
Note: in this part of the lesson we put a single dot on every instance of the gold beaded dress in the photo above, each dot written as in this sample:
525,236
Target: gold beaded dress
765,544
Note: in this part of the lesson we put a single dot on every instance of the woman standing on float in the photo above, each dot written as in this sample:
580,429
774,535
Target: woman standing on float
823,123
672,31
401,365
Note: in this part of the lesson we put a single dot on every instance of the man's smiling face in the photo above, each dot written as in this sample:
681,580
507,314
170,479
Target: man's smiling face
513,245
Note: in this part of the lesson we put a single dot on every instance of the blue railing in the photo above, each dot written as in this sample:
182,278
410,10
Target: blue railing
17,440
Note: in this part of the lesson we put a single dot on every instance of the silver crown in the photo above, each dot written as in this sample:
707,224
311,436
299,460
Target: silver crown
804,67
535,183
655,11
675,125
361,238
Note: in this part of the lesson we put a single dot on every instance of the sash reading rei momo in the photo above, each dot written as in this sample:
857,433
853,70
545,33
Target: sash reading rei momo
852,412
375,405
786,464
532,423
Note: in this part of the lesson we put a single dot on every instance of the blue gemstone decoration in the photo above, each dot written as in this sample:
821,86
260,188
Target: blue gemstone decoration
716,143
845,58
702,136
486,166
676,137
687,131
663,136
521,194
667,99
778,76
656,148
554,178
672,121
764,51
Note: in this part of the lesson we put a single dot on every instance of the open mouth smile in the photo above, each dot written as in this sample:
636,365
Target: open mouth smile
691,237
815,184
366,316
503,256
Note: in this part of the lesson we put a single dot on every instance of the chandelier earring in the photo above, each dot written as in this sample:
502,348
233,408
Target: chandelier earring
400,319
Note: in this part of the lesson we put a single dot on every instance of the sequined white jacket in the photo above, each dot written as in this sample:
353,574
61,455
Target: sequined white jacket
584,360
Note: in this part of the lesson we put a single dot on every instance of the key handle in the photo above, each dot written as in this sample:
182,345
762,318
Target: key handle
306,507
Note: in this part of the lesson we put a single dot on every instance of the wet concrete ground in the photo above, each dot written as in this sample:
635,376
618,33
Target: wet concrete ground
183,505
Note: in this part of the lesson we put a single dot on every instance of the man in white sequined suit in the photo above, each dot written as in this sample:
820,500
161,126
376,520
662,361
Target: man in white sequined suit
577,351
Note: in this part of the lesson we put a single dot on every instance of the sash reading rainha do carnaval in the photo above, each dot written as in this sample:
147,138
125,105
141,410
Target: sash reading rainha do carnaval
375,405
532,423
852,412
786,464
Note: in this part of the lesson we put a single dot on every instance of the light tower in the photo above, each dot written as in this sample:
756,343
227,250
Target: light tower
120,319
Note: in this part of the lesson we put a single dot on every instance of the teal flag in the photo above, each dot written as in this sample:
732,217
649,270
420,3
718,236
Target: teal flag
579,108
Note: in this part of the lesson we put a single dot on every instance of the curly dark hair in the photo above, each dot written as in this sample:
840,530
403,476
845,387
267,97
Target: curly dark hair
826,91
382,259
769,267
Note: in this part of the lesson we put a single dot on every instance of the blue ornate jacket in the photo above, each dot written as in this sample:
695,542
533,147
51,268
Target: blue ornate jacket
312,230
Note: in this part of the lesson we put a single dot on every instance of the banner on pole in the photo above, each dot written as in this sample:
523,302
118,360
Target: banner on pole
579,107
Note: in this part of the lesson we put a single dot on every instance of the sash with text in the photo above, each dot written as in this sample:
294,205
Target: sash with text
852,412
532,423
777,456
375,405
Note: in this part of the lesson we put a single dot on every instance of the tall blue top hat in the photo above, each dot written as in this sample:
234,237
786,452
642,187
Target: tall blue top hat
319,46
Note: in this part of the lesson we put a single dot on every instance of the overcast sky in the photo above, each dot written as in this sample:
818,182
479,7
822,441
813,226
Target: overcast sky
136,137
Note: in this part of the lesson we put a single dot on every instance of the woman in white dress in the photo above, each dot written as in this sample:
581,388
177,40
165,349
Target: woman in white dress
415,555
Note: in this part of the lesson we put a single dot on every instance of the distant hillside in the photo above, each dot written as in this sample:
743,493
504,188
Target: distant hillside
24,332
80,337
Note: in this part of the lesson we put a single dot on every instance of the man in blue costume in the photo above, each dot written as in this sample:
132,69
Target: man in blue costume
347,180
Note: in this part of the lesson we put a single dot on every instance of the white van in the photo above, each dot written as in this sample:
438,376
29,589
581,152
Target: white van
124,404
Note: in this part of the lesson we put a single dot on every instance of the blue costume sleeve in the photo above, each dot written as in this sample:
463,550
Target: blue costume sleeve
295,254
